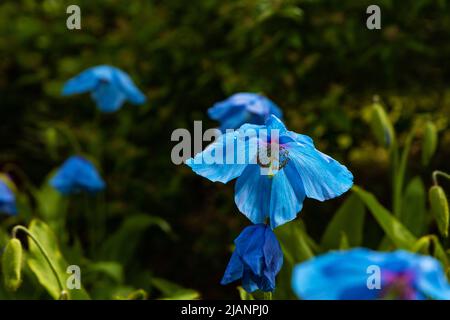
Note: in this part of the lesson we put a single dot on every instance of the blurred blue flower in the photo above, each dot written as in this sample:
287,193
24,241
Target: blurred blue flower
7,199
243,108
257,259
110,87
344,275
77,174
274,188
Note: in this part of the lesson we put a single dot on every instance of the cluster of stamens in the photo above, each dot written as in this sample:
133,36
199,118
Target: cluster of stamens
272,161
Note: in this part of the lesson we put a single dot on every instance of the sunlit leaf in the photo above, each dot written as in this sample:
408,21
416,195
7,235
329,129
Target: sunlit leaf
397,232
40,266
120,245
414,207
172,291
348,221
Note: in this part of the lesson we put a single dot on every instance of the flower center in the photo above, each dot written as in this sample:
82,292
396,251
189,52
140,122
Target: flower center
273,157
399,286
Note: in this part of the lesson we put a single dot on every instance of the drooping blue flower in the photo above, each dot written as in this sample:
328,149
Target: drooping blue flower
243,108
7,199
352,275
256,260
276,187
110,87
77,174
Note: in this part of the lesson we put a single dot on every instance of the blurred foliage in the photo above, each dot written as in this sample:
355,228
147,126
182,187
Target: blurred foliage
314,58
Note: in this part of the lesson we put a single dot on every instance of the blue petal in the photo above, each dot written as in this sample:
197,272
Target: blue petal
275,110
8,208
273,257
234,120
226,158
84,82
287,196
334,276
7,199
431,280
249,246
222,109
127,86
249,282
75,175
274,123
243,108
108,96
109,86
234,270
259,105
252,194
323,177
301,138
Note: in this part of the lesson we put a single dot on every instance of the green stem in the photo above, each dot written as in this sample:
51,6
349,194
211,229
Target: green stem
268,296
399,173
439,173
63,295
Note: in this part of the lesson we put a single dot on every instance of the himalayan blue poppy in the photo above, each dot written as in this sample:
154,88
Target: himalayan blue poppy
77,174
243,108
7,199
109,86
276,187
351,275
256,260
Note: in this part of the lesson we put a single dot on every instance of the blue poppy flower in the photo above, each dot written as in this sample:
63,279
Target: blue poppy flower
243,108
256,260
7,199
276,187
75,175
110,87
350,275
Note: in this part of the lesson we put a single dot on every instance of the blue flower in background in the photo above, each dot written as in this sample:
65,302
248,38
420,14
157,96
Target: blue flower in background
296,171
7,199
243,108
257,259
345,275
75,175
110,87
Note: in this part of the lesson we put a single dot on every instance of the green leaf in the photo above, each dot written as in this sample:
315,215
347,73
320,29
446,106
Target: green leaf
12,265
139,294
51,205
40,267
414,207
294,241
397,232
244,295
439,208
431,245
348,222
297,246
122,244
111,269
430,142
172,291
